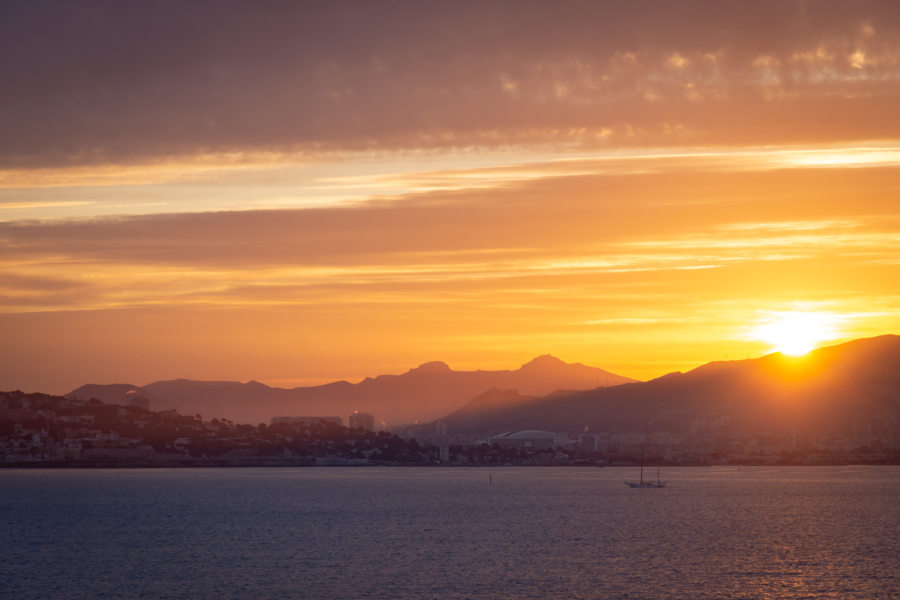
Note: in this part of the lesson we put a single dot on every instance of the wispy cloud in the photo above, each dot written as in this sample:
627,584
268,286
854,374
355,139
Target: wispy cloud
276,258
812,225
280,182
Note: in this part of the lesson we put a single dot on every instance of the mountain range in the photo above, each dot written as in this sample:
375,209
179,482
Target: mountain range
828,389
424,393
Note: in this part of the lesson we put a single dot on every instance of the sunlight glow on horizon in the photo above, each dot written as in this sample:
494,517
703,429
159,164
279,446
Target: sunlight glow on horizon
798,332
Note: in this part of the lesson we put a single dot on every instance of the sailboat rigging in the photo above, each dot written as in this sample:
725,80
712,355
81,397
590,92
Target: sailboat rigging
646,484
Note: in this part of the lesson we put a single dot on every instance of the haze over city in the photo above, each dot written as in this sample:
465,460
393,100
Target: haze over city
299,193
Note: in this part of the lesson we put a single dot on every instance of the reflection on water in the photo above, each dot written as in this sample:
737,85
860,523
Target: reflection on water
816,532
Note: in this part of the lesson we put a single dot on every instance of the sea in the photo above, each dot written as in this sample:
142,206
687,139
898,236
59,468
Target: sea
437,533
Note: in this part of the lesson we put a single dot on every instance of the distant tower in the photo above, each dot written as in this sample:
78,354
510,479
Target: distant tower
360,420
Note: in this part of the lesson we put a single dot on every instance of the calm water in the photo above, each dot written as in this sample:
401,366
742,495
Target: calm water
817,532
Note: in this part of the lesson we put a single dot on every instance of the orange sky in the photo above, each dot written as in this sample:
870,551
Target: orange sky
304,193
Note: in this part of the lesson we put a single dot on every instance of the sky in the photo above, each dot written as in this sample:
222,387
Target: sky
300,192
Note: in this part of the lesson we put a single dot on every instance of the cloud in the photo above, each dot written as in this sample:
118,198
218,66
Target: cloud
557,236
111,82
278,182
533,216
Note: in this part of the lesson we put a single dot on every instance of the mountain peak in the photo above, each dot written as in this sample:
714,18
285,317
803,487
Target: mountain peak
545,361
431,368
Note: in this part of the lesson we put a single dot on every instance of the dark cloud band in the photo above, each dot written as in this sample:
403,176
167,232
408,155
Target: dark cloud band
117,82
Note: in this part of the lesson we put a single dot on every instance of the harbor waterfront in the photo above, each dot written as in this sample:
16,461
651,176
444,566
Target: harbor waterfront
380,532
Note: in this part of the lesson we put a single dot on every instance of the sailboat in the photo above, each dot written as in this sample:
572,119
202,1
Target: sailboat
646,484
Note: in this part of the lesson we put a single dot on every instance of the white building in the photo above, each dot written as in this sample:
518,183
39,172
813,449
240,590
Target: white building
360,420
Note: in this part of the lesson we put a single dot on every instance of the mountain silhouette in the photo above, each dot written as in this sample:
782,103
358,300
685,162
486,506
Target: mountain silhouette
423,393
828,389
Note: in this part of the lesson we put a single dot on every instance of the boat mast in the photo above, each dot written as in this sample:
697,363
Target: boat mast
642,465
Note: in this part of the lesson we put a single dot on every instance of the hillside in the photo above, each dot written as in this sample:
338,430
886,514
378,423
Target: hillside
423,393
829,389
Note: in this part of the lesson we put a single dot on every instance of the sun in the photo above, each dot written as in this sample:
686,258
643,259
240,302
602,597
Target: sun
796,332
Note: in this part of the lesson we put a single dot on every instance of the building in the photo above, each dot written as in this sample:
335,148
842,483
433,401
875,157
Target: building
360,420
589,442
132,399
531,438
306,420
